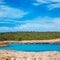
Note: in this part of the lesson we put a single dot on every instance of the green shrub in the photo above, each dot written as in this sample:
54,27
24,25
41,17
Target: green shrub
29,35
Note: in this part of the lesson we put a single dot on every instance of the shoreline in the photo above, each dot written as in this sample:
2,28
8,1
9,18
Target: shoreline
22,55
52,41
33,41
54,55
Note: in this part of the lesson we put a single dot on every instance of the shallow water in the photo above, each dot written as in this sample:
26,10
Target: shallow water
32,47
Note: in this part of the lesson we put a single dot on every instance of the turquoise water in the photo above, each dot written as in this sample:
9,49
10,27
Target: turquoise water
32,47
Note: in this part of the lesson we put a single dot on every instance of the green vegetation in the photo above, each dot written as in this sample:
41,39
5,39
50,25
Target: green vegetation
29,35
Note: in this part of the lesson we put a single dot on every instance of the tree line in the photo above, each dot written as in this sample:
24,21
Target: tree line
29,35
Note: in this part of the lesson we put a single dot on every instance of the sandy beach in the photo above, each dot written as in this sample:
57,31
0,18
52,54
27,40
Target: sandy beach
5,43
8,54
32,41
21,55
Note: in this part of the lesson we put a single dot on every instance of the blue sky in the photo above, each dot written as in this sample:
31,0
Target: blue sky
29,15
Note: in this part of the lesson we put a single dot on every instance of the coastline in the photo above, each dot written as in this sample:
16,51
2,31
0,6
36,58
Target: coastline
55,55
33,41
46,55
52,41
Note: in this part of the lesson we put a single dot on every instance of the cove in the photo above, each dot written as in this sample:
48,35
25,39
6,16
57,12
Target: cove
32,47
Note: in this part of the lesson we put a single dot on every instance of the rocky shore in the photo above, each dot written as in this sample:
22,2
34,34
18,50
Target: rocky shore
3,44
20,55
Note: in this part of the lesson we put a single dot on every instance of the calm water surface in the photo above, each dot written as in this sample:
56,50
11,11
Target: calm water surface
32,47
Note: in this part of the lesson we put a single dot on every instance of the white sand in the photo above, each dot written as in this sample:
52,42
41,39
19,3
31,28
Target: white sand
20,55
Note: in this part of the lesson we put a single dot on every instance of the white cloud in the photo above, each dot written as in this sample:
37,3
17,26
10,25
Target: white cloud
52,6
42,1
49,3
36,4
54,0
9,12
49,24
38,24
57,22
4,29
4,22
